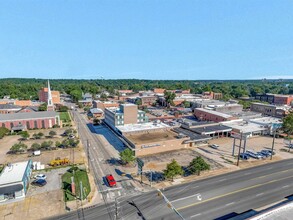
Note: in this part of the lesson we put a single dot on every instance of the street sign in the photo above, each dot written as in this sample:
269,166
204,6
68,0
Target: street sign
140,163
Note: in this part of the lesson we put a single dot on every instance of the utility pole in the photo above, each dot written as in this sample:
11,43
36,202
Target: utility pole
239,149
273,144
88,153
169,204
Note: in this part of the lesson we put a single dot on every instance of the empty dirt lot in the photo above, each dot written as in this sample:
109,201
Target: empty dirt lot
151,137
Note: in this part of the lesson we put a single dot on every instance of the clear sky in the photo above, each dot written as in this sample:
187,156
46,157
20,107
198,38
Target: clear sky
152,39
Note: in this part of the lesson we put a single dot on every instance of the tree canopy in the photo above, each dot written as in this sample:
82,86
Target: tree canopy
198,164
173,169
127,155
28,88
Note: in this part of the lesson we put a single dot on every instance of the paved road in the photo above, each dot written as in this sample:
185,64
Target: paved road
99,155
221,195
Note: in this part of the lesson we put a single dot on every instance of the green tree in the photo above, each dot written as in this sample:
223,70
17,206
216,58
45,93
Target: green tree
47,145
52,133
173,169
35,146
138,101
169,97
18,148
96,121
186,104
24,135
288,126
198,164
3,131
63,108
43,107
57,144
127,155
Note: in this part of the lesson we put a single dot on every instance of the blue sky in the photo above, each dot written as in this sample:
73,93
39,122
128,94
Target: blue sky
152,39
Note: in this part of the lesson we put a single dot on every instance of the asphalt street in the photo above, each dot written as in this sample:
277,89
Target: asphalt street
99,157
222,195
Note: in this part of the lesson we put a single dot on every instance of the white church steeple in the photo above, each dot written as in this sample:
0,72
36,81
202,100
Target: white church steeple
50,105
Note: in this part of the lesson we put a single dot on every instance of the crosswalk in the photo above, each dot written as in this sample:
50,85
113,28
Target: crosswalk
112,195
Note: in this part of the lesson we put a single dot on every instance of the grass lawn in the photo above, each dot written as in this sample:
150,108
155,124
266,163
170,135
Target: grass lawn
79,175
64,116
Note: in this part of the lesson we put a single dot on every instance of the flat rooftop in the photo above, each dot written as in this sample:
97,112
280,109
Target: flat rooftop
141,127
267,120
214,112
193,136
211,129
13,173
245,127
28,115
151,137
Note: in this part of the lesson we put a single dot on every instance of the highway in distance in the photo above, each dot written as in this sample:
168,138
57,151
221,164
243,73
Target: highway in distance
234,192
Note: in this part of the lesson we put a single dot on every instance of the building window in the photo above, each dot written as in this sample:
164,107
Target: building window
11,125
43,123
36,124
3,125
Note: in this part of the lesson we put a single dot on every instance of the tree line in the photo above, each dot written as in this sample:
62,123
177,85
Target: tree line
28,88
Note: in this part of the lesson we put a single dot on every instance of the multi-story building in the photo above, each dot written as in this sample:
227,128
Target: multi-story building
44,95
15,180
104,105
210,115
265,109
147,100
270,98
125,114
283,100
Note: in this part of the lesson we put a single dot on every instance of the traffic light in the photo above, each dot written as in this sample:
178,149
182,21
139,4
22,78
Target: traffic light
159,194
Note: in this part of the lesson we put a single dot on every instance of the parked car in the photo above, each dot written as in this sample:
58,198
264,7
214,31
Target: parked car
40,176
272,152
111,181
214,146
265,153
244,156
252,154
39,182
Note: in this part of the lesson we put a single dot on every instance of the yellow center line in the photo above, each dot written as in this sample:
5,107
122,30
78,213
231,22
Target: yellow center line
230,193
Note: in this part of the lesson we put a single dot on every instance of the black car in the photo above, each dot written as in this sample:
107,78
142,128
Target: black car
39,182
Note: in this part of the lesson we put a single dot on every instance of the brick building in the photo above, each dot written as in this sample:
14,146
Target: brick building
43,96
30,120
104,105
283,100
210,115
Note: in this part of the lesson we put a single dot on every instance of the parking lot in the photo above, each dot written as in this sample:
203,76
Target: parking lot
53,178
255,144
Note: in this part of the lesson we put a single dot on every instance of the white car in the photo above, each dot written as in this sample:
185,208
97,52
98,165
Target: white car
215,146
40,176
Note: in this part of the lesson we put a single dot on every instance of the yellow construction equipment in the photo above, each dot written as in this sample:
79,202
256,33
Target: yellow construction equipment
58,162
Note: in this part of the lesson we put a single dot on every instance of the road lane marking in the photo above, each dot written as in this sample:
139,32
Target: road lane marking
247,173
231,193
285,186
194,187
187,197
231,203
221,180
195,215
259,194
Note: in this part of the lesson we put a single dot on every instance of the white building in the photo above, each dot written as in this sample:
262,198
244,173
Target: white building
14,180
